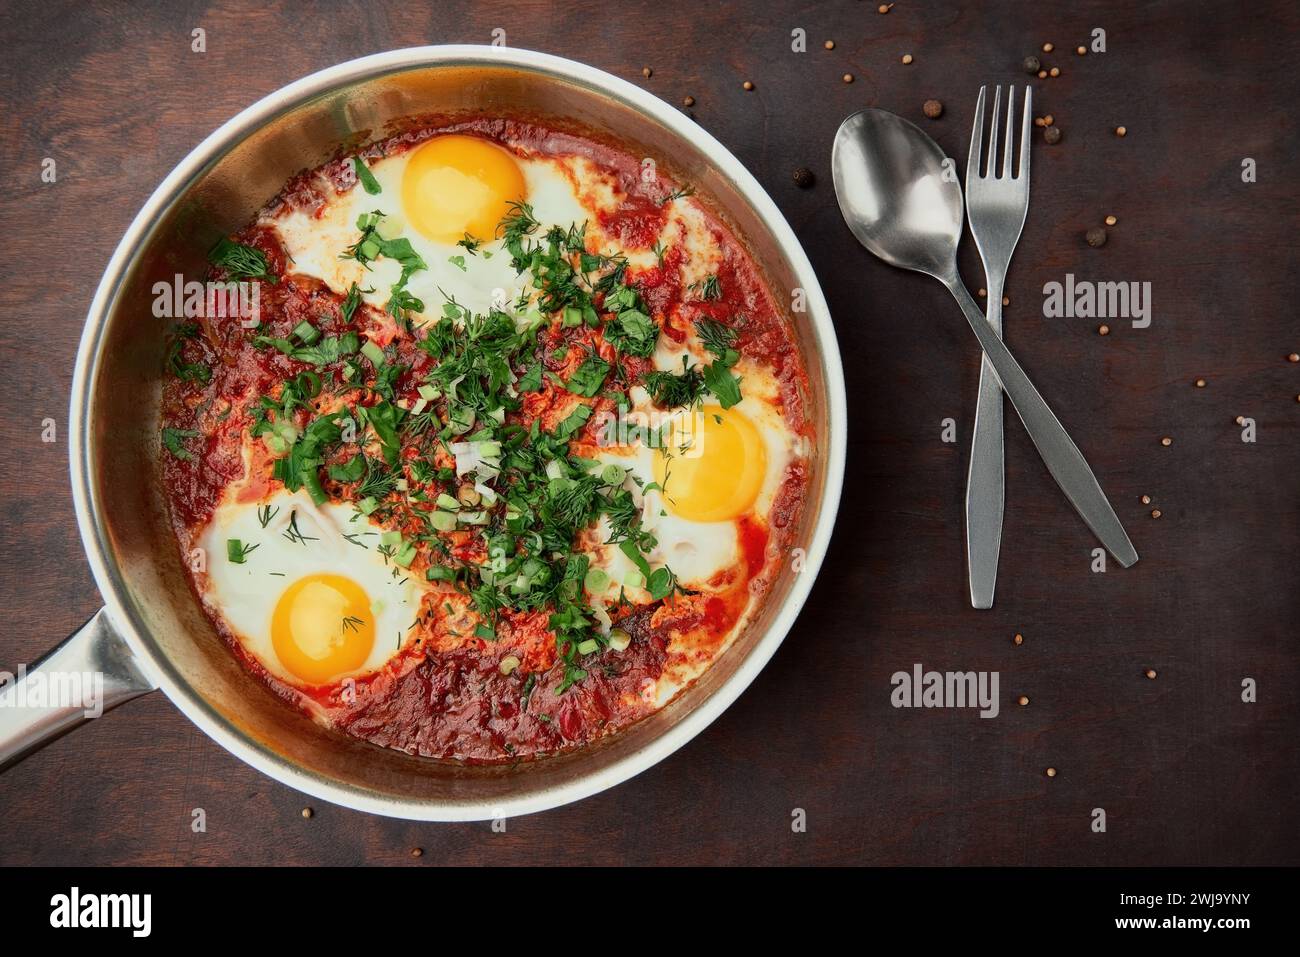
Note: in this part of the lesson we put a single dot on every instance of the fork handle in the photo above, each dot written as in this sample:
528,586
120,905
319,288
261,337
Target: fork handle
1061,456
986,478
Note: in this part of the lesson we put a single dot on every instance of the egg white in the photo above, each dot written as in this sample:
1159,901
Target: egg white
246,595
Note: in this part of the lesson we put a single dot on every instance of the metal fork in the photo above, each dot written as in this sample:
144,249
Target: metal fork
996,204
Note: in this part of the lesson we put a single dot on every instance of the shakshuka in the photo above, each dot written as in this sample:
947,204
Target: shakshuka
510,452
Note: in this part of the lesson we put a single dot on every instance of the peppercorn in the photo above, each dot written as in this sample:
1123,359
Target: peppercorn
829,44
1054,71
1081,50
1051,772
1146,499
306,812
933,109
1042,74
1038,121
848,77
1155,513
1031,65
983,292
883,8
1151,673
1023,700
1121,131
907,58
1167,441
1111,220
1006,300
1293,357
747,85
803,177
646,71
1019,639
1049,119
689,101
1048,48
1052,135
1096,237
1200,383
1103,330
1240,420
417,852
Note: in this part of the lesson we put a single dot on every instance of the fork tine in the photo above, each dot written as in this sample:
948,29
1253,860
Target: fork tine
1009,141
976,141
991,167
1025,133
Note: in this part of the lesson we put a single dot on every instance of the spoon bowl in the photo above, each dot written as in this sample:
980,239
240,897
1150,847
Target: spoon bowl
895,192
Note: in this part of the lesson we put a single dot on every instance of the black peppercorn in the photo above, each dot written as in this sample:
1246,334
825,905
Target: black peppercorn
1052,135
1096,237
803,177
1032,65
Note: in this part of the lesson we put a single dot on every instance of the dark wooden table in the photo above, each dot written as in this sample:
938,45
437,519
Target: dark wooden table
1186,771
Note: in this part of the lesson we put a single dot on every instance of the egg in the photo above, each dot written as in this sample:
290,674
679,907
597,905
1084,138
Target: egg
305,588
450,189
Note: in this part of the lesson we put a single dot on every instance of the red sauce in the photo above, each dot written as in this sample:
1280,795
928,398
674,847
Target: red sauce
444,698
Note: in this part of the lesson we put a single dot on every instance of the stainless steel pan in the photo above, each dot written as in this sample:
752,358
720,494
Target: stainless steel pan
152,633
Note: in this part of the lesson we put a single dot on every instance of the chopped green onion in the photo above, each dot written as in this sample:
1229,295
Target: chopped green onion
306,332
588,646
372,352
619,639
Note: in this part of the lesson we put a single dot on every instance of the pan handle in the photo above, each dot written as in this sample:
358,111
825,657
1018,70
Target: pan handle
90,673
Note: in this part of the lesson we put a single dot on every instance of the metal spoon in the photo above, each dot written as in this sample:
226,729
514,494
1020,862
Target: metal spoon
900,196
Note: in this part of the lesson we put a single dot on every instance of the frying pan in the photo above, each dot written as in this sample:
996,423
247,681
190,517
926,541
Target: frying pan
152,633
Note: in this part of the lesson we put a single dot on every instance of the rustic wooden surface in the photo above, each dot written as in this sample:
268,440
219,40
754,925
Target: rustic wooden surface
1187,773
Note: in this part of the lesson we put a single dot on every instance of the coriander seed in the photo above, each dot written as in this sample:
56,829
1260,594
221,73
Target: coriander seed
1052,135
932,108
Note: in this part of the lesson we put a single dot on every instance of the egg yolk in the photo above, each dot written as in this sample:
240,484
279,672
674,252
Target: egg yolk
713,465
322,627
456,185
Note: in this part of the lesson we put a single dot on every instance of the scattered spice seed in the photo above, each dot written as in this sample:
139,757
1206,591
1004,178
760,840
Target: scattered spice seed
1031,65
1293,357
1052,135
1096,237
1019,639
1103,330
1081,50
1051,772
1111,220
417,852
1297,398
803,177
1049,119
306,812
1121,131
689,101
1054,71
1200,383
1240,420
1048,48
1038,121
848,78
1023,700
933,109
829,44
1042,74
747,85
1155,513
1167,441
1146,499
1151,673
1006,300
983,293
883,8
646,71
907,58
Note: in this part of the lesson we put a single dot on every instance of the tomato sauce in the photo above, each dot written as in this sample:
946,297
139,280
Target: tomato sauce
454,699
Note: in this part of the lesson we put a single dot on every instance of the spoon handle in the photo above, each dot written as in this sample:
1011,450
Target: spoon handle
1061,456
